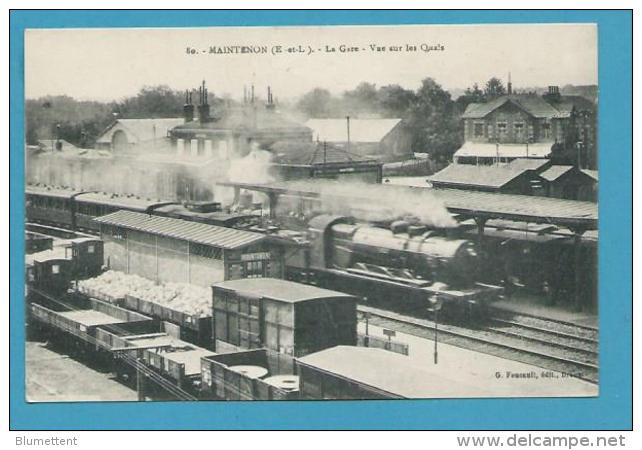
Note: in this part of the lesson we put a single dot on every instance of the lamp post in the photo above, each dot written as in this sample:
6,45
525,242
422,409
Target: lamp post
435,306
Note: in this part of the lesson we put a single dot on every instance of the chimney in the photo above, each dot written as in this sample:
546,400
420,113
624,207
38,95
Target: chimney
188,108
553,94
509,85
270,101
203,107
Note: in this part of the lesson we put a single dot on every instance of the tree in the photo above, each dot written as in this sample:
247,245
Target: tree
363,98
494,88
316,103
153,101
471,95
435,122
395,101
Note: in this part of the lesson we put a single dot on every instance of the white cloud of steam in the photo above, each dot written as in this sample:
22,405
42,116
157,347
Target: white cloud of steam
255,168
377,202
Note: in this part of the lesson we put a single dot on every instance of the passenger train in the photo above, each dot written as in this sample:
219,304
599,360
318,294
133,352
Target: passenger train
75,210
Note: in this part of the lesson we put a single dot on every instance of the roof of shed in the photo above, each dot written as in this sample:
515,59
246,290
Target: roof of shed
528,163
401,376
591,173
554,172
483,176
361,130
277,289
212,235
311,153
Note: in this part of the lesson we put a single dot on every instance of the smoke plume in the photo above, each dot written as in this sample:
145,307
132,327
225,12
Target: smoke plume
376,202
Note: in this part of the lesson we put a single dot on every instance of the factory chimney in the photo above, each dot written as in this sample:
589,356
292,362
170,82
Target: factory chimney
188,107
203,106
509,88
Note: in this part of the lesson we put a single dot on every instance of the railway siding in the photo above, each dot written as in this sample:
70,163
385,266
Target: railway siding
580,363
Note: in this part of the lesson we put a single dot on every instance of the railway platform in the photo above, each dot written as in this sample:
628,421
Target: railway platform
464,373
536,306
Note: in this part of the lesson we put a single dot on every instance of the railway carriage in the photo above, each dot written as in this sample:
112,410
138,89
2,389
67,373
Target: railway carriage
50,205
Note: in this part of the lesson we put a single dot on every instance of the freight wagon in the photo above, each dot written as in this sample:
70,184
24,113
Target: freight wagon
258,374
286,317
73,321
176,361
53,270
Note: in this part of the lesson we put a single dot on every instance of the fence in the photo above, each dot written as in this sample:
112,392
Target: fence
386,344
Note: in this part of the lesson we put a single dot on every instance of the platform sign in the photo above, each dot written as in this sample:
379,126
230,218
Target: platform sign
389,333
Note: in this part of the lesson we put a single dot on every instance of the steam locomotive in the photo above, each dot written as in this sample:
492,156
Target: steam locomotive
399,267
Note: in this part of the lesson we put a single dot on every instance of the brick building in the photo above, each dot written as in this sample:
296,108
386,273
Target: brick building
529,126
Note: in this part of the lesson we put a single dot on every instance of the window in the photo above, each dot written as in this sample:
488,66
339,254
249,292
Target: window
501,129
546,130
205,250
254,269
478,129
518,128
55,269
90,248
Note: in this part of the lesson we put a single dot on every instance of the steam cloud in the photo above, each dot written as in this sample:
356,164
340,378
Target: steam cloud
151,176
375,202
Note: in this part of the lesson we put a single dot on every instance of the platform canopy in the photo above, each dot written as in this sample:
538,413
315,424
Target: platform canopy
573,214
491,150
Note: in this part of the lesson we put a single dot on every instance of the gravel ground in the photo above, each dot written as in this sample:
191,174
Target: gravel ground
54,377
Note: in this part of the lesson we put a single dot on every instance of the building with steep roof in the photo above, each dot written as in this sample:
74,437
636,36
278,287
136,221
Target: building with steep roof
529,126
571,183
127,135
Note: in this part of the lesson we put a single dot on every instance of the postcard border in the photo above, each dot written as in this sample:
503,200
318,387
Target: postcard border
614,403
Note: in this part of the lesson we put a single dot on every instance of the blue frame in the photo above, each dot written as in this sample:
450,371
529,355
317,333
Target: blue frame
611,410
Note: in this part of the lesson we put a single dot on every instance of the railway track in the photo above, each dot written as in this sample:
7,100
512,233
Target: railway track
572,354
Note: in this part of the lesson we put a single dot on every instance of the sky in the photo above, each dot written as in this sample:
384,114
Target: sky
110,64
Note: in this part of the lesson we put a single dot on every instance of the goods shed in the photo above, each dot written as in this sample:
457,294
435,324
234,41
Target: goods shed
283,316
165,249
